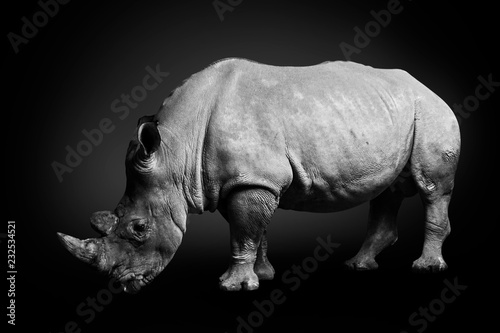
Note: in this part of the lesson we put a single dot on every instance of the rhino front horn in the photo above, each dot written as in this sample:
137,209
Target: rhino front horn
86,250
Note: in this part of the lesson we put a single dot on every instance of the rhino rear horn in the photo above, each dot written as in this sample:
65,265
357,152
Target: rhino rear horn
86,250
103,222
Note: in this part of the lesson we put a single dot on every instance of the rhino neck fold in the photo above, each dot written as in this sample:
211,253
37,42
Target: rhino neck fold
183,132
180,168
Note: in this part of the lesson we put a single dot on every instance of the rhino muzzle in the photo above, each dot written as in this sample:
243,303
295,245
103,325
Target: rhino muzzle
117,257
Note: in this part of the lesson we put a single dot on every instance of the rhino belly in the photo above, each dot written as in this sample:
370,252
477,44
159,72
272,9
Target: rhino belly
329,177
331,193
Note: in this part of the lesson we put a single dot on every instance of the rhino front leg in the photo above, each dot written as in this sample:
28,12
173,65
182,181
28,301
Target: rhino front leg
263,267
248,212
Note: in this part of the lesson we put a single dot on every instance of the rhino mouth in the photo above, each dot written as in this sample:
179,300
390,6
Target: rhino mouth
132,283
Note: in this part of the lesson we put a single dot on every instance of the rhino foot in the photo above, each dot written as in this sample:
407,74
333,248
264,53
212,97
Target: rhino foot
264,270
429,264
239,276
361,264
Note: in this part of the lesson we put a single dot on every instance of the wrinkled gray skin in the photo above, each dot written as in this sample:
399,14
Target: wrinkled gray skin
246,138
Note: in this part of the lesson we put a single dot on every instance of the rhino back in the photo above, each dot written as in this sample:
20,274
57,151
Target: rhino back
322,138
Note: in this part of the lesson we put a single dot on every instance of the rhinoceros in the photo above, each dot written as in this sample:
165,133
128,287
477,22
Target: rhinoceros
246,138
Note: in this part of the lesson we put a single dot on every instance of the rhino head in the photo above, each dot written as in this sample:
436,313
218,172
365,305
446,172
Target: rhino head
140,237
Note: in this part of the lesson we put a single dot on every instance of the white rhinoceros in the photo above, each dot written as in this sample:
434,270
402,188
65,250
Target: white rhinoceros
246,138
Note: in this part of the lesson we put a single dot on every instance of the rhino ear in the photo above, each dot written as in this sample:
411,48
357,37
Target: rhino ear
149,137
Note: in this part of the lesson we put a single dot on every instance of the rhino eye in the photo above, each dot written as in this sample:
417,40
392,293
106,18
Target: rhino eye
139,228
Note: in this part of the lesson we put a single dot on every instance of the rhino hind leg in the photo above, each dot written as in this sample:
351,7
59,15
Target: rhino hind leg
437,228
248,211
262,266
382,229
435,188
434,160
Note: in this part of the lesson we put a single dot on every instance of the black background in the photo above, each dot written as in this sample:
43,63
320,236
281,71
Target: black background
64,80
